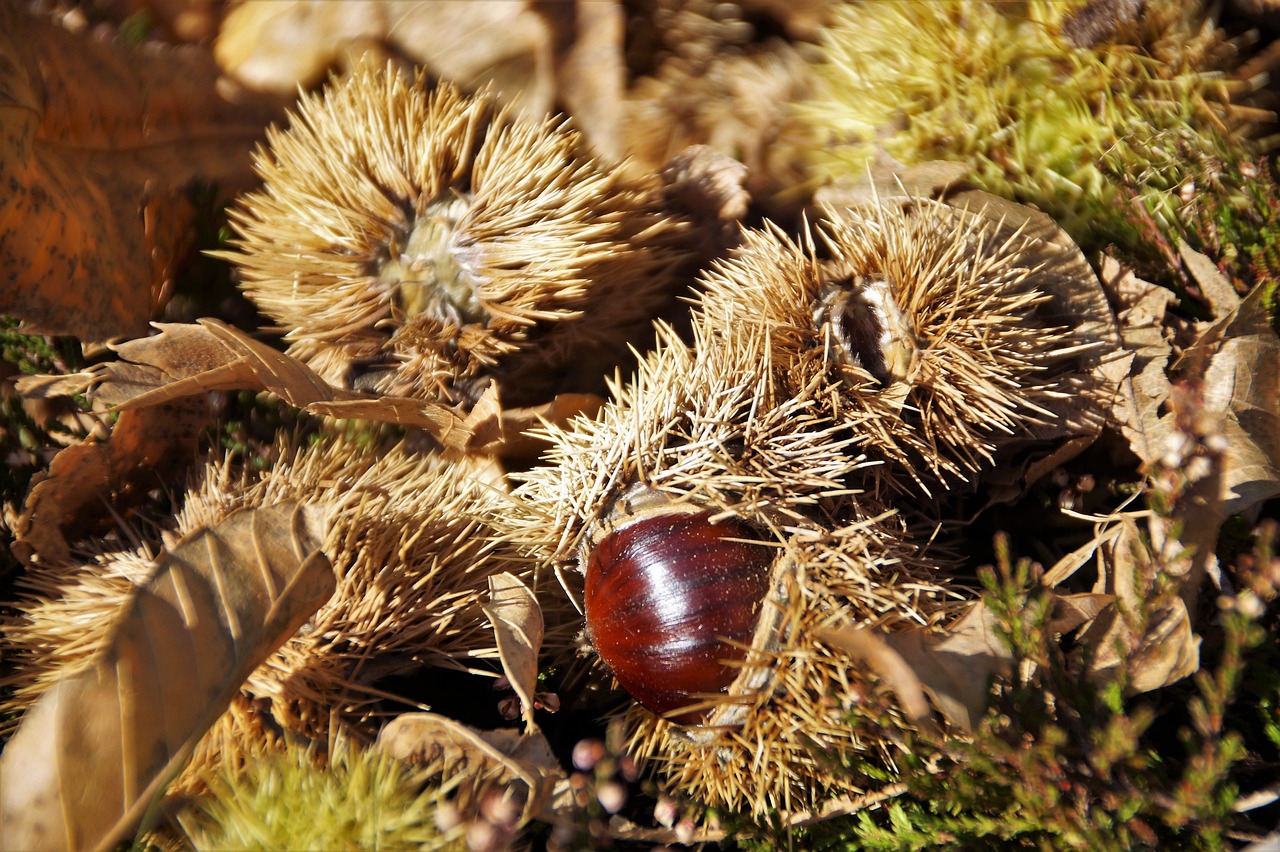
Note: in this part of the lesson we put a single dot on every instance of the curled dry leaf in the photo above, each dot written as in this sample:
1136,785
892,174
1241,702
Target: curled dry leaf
184,360
1155,650
100,746
1242,387
1143,382
954,666
522,765
96,142
89,485
1236,358
586,45
517,625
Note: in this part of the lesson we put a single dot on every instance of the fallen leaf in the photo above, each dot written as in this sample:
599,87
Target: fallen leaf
517,625
1165,653
97,142
520,765
95,751
867,646
280,45
586,41
1221,296
184,360
1242,385
1155,651
1136,410
953,666
89,486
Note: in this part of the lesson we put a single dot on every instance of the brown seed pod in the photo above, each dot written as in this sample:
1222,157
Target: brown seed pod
705,435
924,324
426,243
671,601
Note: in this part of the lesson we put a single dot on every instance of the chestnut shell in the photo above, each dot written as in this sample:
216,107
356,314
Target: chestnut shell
662,595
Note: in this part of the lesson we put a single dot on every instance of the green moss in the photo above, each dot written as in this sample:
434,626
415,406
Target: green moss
1074,131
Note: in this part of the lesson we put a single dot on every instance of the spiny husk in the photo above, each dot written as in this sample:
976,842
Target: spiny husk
423,243
290,796
953,357
711,425
715,83
412,565
1146,110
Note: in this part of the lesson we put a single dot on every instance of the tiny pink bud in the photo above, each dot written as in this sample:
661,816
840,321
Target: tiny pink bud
612,796
587,753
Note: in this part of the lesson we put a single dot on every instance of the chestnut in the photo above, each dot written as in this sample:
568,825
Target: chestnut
663,594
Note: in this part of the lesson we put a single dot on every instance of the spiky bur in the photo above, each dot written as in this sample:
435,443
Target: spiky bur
917,322
412,563
291,797
717,81
426,243
1062,127
710,426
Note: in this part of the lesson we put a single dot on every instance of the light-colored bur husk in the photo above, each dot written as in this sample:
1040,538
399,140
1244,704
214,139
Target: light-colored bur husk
715,82
921,323
426,243
1058,104
412,566
712,427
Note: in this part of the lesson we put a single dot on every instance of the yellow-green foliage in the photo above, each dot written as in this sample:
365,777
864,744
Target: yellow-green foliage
999,86
289,800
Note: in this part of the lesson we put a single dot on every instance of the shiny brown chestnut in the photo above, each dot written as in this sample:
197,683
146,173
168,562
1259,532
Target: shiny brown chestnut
663,594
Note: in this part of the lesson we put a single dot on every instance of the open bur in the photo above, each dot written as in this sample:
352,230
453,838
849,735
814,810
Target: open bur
944,334
707,520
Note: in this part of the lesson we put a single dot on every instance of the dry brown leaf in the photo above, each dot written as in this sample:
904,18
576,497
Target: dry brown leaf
96,142
1242,386
90,485
279,45
517,625
1068,565
1164,649
1167,652
184,360
1136,409
518,442
586,39
953,667
521,765
868,646
95,752
1217,290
